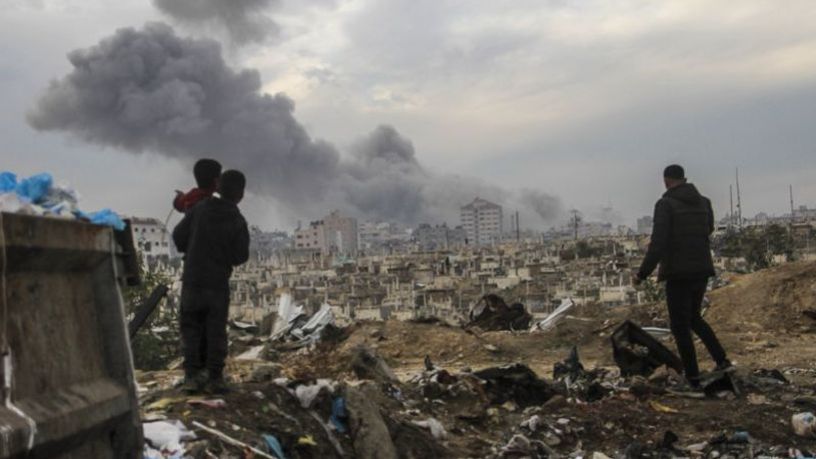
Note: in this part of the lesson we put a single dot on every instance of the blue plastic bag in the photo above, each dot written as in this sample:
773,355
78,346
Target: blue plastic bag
104,217
34,188
8,182
339,415
273,445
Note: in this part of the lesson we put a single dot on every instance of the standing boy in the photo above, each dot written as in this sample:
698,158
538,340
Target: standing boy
214,238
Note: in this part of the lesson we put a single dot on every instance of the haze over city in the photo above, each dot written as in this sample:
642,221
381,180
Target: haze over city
408,110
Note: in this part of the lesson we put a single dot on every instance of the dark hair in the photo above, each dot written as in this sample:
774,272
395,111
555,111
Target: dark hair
675,172
206,172
231,186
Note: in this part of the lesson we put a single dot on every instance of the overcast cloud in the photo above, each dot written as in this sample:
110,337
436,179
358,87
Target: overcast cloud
586,100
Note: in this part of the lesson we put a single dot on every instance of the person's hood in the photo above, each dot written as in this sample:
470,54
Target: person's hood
685,193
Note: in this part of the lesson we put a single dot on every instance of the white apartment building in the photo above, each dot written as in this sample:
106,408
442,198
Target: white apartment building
483,222
151,237
334,234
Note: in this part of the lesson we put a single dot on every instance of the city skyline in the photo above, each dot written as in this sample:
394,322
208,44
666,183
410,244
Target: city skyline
581,103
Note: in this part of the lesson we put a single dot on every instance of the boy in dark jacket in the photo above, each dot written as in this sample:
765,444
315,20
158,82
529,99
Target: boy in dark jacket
206,173
683,222
214,238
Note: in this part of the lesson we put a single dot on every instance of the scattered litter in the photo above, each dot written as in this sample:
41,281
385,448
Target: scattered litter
273,446
804,424
214,403
517,383
555,316
436,427
757,399
162,404
307,440
167,437
308,393
492,313
660,408
227,439
638,353
339,416
254,353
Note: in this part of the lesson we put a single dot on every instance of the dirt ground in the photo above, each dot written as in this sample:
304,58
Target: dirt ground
759,318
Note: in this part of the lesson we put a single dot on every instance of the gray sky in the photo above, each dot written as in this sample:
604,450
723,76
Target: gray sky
585,100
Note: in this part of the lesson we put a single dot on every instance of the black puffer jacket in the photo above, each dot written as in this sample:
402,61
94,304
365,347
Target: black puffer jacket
214,238
683,222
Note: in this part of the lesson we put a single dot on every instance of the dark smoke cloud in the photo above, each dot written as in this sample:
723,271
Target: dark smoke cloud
151,91
545,206
245,21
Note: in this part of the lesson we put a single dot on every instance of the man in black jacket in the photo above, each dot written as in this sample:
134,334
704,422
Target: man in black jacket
683,222
214,238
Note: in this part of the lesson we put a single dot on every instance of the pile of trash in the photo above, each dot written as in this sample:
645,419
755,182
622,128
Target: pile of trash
492,313
38,195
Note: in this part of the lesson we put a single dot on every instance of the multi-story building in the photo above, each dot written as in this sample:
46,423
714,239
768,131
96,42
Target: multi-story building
334,234
439,237
312,237
151,237
377,235
483,222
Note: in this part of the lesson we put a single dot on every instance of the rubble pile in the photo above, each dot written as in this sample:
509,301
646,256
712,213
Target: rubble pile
424,390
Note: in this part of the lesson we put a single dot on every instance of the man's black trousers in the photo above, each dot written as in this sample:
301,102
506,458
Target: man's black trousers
204,329
685,298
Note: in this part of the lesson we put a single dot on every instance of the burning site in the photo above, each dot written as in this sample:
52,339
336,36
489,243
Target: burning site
355,229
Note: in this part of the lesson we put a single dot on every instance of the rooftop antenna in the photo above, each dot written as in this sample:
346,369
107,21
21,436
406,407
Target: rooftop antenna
731,215
739,203
518,226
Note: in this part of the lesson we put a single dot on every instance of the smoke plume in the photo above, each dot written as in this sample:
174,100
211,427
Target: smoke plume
150,90
244,21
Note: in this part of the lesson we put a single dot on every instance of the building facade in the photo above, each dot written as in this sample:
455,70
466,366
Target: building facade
439,237
334,234
483,222
151,237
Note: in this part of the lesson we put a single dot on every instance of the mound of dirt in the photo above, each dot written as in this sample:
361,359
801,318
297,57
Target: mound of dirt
768,300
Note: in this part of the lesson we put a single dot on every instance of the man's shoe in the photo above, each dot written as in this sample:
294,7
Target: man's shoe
725,366
194,383
218,386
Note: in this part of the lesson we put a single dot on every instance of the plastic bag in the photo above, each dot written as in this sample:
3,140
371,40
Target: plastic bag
8,182
105,217
35,188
